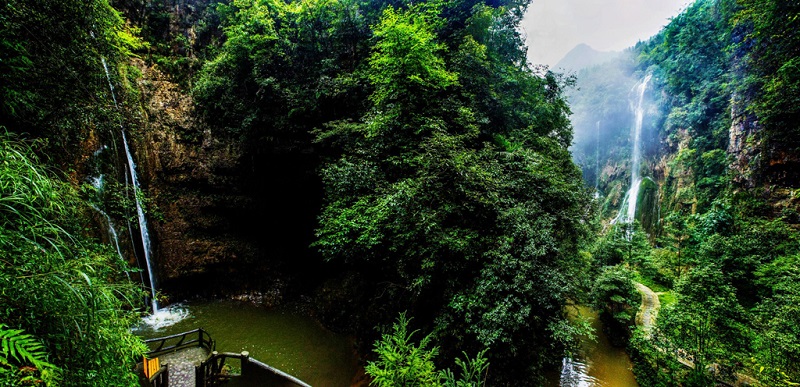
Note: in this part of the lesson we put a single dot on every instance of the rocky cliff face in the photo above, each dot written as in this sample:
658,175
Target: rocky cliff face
227,217
744,146
765,168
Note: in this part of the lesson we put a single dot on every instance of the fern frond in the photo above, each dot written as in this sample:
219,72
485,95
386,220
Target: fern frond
23,348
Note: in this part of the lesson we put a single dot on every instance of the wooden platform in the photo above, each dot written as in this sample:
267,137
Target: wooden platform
189,359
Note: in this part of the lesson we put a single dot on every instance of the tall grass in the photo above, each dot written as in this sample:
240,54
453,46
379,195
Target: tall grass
57,284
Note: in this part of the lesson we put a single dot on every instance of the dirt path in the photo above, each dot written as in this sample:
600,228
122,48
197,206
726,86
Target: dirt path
646,317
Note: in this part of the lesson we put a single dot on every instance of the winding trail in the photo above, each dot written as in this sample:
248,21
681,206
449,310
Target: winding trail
646,317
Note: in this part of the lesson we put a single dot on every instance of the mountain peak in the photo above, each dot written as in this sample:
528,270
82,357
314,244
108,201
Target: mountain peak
583,56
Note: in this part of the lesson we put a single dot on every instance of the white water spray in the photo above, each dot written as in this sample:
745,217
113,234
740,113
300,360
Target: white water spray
627,213
165,317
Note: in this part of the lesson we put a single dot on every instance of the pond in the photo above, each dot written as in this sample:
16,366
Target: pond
295,344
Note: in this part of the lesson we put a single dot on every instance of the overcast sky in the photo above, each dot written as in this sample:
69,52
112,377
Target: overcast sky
556,26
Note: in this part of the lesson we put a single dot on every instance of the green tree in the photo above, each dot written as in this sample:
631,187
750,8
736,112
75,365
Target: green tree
778,316
676,238
469,211
52,83
622,243
707,320
615,296
401,361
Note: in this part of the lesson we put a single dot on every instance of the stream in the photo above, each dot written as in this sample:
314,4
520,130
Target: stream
293,343
597,364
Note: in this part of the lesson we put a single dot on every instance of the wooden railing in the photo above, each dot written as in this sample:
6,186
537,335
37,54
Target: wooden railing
211,372
195,338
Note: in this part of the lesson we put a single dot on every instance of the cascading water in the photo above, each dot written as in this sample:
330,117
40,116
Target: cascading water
142,222
174,313
98,182
110,85
627,212
597,163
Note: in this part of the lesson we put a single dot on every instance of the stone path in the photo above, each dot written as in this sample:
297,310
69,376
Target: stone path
181,365
646,317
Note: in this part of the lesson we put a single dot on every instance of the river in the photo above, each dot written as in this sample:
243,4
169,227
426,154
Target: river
290,342
597,364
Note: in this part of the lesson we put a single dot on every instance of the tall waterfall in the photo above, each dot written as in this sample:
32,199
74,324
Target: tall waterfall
142,222
597,163
627,213
139,209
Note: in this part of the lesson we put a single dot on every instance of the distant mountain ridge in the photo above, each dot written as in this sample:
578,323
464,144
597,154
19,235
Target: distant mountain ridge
584,56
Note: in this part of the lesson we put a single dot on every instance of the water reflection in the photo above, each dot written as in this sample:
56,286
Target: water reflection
575,373
598,364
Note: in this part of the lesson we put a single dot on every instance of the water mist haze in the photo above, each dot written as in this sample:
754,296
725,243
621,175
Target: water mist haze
605,102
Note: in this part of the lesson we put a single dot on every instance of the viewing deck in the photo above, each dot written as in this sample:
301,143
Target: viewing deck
189,359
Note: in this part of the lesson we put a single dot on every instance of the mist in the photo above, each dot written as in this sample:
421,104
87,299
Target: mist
603,118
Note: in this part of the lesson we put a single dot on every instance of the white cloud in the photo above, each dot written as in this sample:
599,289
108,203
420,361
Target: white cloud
554,27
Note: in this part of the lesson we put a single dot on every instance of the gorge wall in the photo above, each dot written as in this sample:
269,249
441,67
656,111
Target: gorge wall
705,139
225,215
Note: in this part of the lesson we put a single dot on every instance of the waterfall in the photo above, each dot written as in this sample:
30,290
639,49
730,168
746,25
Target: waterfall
98,182
142,222
112,232
597,163
627,212
139,209
110,85
112,235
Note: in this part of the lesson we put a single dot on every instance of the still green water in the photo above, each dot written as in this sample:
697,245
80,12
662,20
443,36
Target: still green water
294,344
300,346
599,363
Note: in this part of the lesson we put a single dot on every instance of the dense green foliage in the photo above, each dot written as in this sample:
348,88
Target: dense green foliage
56,283
403,363
52,83
468,211
66,306
179,39
445,184
727,231
615,296
732,293
772,60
